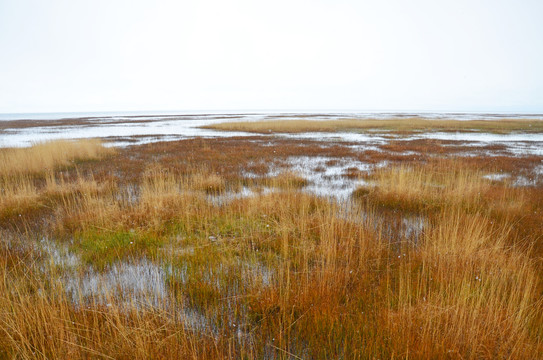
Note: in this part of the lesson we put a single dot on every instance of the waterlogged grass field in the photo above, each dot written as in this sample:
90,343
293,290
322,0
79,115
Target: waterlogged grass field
235,249
402,125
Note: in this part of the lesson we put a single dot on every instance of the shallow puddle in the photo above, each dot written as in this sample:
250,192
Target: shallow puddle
327,176
142,282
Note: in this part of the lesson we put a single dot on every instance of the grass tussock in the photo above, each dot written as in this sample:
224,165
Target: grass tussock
397,125
464,293
48,155
426,187
28,179
278,274
17,195
286,180
205,180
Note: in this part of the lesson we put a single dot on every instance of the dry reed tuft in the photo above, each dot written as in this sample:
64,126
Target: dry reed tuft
48,155
205,180
427,187
286,180
17,195
466,293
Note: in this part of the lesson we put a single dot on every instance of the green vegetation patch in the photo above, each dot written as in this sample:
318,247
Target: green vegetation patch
101,247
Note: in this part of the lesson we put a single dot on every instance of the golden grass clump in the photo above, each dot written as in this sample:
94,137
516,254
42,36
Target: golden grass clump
17,195
465,292
159,187
48,155
286,180
204,180
426,187
22,169
159,196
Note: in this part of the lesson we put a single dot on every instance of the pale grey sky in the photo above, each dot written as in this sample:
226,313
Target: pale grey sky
107,55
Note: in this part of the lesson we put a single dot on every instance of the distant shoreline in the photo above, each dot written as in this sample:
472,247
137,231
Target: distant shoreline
475,115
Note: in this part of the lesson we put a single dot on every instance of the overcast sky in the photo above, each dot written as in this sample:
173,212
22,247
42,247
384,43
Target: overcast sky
94,55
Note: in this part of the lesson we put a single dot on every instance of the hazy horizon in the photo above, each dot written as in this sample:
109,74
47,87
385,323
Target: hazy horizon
459,115
346,55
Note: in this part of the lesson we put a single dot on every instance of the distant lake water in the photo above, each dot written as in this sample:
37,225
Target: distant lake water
125,128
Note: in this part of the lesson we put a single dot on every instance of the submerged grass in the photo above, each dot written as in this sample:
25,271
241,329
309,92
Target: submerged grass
279,274
100,247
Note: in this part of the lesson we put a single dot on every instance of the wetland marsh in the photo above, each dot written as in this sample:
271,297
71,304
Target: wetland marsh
289,237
